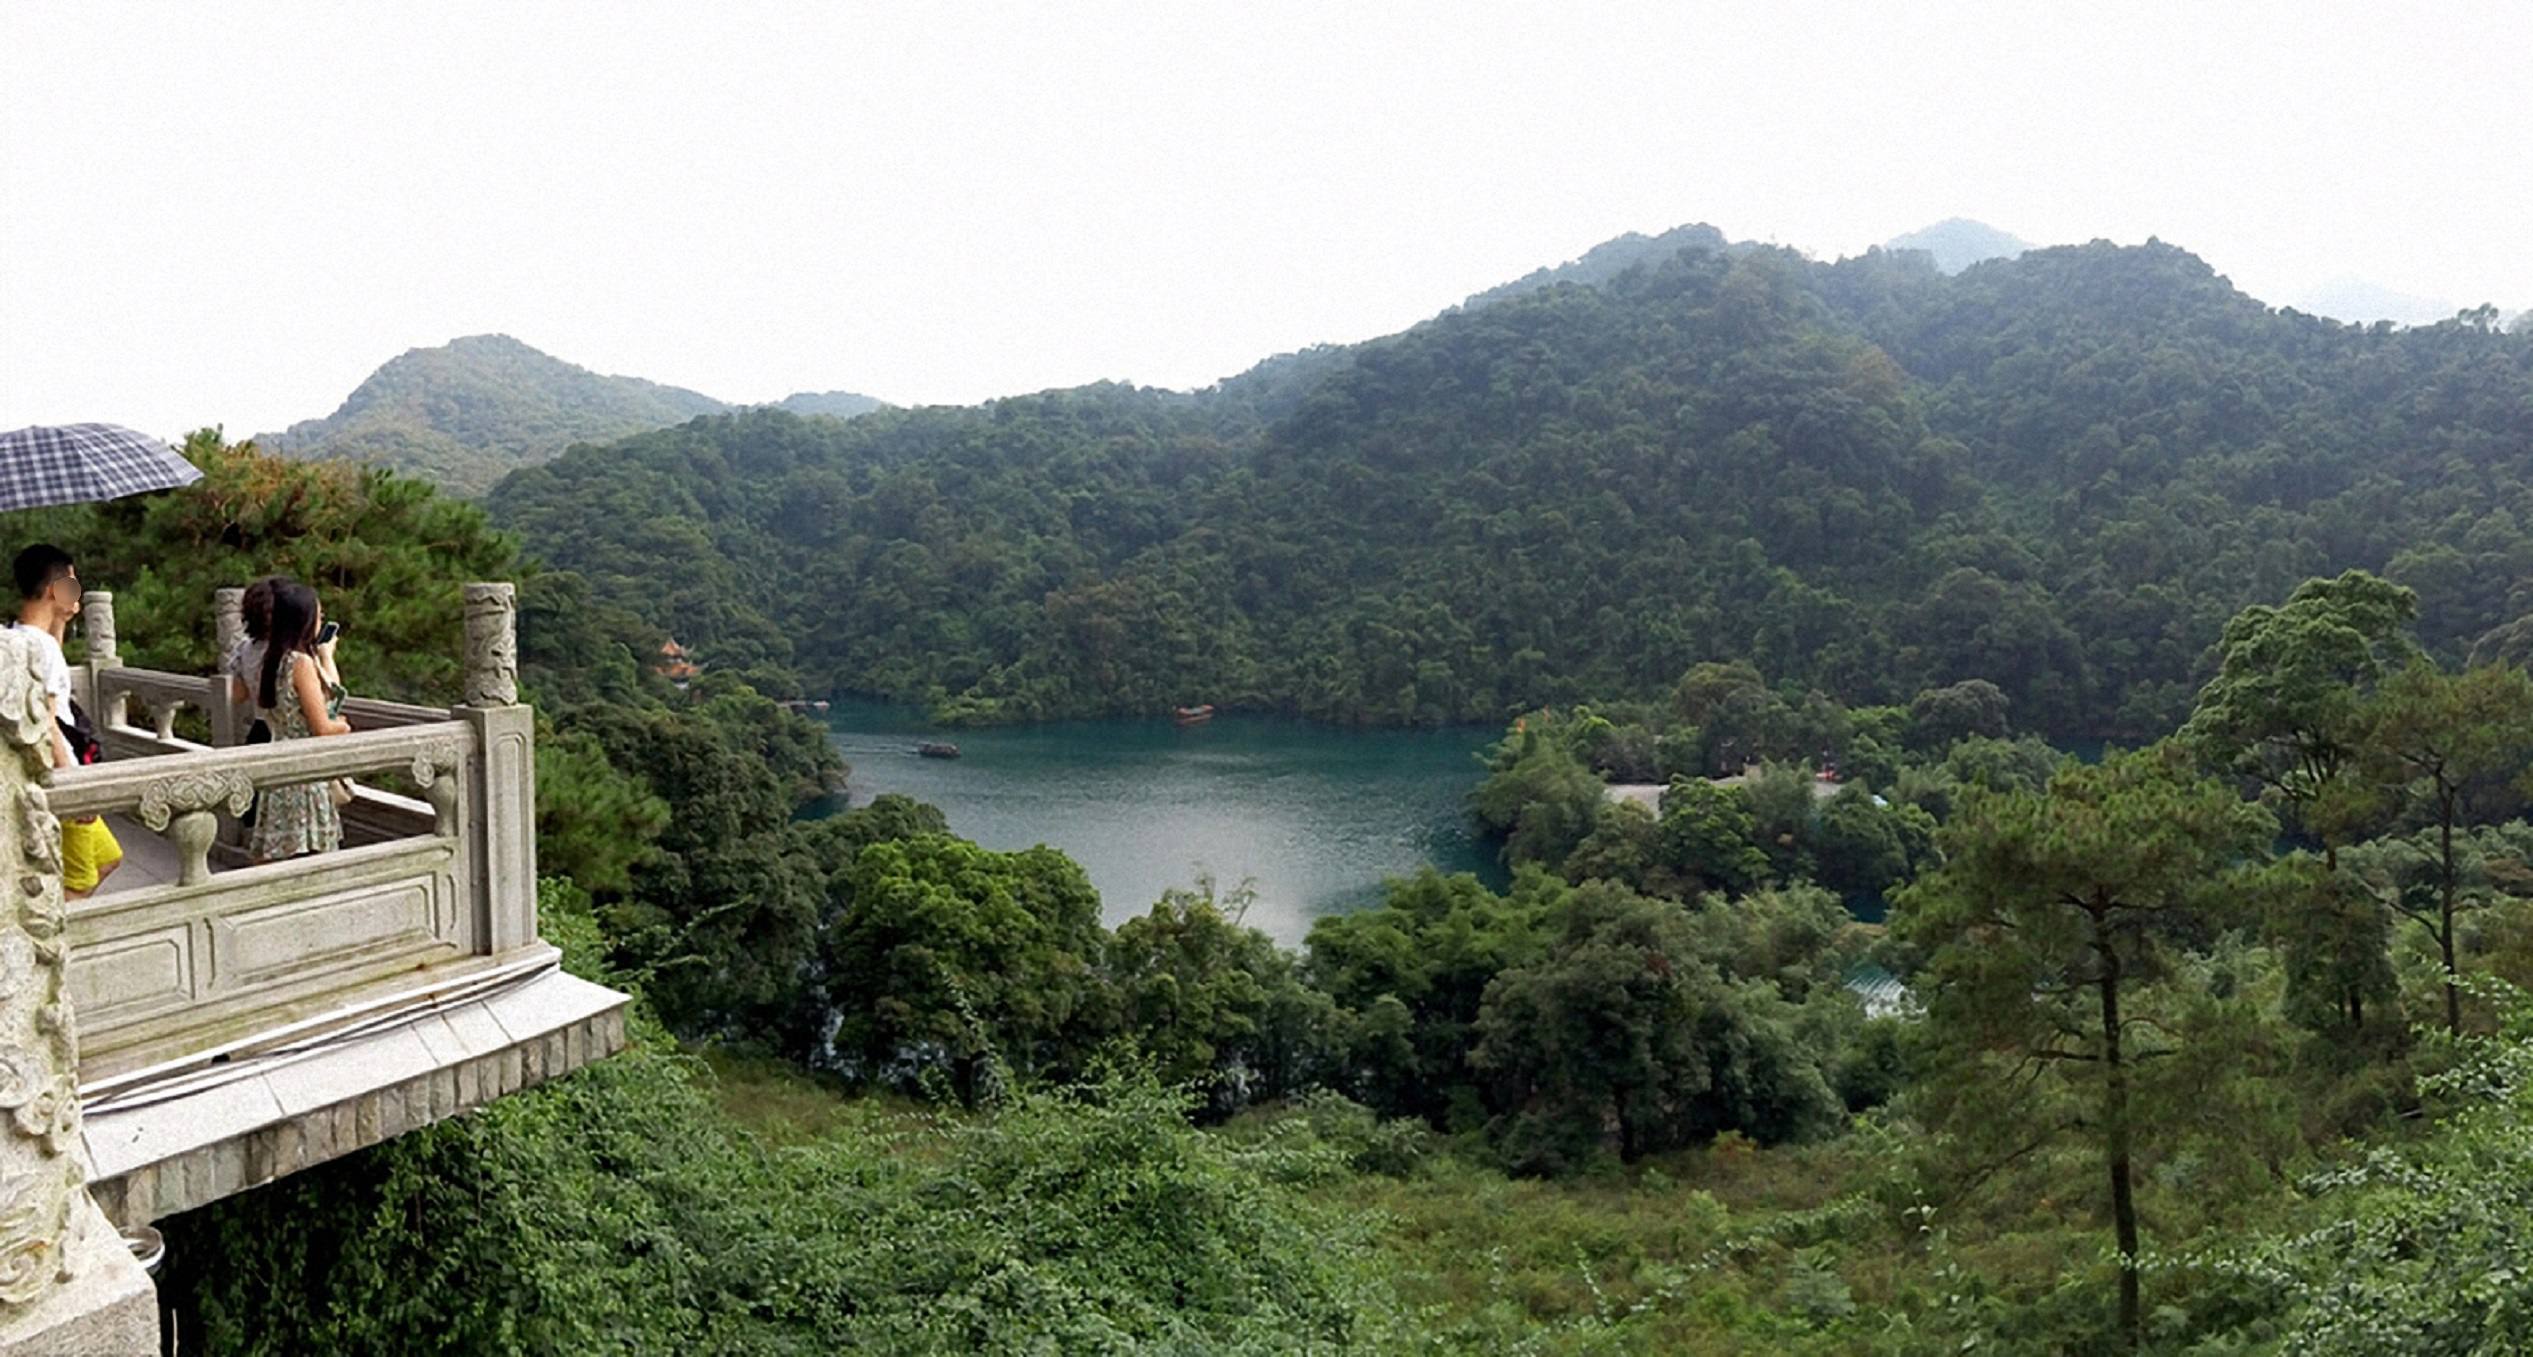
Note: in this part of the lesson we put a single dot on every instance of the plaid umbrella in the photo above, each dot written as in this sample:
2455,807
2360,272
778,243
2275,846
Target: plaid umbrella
84,463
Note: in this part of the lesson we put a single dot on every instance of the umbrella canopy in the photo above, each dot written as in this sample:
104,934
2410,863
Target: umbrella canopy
83,463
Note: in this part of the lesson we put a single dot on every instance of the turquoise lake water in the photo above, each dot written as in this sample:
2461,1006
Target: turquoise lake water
1315,816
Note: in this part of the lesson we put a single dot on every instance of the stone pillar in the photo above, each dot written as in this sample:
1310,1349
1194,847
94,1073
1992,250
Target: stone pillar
492,645
67,1282
228,630
96,623
501,788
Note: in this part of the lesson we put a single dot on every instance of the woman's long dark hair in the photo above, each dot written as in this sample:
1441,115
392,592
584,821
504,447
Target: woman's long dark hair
255,608
293,628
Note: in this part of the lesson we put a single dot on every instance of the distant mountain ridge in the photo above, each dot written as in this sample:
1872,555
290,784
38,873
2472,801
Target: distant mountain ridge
2361,302
1958,242
1609,259
466,413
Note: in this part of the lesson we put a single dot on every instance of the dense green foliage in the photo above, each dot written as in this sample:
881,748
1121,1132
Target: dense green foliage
2200,1048
471,411
619,1211
2060,474
385,553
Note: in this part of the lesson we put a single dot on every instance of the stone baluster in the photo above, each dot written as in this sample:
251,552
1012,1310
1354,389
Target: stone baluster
185,807
228,621
67,1283
500,790
96,622
228,631
492,645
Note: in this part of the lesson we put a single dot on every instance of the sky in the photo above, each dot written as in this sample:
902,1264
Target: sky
231,213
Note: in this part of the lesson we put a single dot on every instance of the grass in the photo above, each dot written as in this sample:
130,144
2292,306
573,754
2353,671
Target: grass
783,1105
1724,1249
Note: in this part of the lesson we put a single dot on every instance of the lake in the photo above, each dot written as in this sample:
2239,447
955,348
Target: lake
1315,816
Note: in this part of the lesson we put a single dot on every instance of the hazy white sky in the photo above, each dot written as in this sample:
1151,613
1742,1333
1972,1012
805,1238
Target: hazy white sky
231,213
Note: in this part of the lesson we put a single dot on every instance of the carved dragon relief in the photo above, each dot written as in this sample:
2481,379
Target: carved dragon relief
40,1176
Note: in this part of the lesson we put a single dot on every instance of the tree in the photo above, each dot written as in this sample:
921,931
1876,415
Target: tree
1412,972
1624,846
2049,910
1539,797
1939,717
2287,706
2417,1246
950,956
1706,834
1624,1023
1214,1003
2437,734
1862,849
2332,937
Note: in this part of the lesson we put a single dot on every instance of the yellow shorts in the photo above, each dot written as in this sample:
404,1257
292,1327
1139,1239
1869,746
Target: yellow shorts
88,849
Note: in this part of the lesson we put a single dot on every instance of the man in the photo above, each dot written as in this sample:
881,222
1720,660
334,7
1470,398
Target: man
48,597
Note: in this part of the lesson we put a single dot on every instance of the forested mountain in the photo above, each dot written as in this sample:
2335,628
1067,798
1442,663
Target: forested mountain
1958,242
841,404
2060,473
1609,259
472,410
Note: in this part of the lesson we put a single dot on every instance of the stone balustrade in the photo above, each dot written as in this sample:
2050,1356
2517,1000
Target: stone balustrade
247,1019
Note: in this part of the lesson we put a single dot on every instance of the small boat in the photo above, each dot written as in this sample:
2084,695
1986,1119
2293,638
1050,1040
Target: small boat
1188,716
938,751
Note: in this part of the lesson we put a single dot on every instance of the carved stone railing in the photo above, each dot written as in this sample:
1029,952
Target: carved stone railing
168,981
436,883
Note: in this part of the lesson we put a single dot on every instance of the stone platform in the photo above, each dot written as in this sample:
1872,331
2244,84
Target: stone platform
158,1148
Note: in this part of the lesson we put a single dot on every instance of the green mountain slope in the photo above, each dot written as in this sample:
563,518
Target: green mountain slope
472,410
2060,472
1609,259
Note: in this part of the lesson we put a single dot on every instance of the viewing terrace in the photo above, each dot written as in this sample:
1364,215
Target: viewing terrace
204,1024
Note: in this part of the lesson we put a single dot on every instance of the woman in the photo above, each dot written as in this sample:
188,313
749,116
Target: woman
293,696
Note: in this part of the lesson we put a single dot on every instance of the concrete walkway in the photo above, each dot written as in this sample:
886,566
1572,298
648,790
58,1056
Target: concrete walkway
148,859
1649,794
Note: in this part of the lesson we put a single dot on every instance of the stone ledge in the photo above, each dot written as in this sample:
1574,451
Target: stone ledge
157,1160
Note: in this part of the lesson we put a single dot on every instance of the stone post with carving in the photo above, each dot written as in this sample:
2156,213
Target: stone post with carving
67,1282
228,631
96,623
501,798
228,621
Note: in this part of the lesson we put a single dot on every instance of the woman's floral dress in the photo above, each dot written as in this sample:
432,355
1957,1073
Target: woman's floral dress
297,820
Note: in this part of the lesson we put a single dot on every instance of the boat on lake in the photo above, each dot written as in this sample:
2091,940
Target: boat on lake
1188,716
937,750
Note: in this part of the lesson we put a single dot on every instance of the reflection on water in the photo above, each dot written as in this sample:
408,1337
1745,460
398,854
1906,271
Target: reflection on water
1316,816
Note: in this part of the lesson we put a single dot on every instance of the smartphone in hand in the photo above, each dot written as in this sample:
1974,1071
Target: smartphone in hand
327,633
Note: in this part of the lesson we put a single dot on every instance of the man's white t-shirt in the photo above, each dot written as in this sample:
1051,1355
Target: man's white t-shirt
53,665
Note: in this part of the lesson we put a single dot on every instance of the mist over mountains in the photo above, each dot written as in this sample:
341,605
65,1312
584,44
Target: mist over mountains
1958,242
